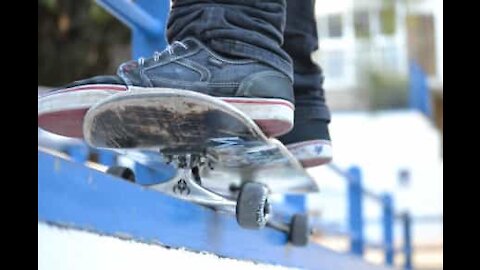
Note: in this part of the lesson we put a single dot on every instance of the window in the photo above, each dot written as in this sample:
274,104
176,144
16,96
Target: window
387,20
335,26
361,23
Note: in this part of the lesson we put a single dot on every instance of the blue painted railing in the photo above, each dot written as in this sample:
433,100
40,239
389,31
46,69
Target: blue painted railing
81,153
76,196
356,219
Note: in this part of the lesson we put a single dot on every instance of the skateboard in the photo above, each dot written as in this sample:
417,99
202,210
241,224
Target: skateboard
222,158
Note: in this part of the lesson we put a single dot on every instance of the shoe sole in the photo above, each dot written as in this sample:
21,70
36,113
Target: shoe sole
273,116
62,112
312,153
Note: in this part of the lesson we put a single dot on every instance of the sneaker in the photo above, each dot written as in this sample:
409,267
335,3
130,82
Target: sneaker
258,90
309,142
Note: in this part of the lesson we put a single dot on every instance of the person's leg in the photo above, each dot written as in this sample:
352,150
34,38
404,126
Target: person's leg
309,140
224,48
236,29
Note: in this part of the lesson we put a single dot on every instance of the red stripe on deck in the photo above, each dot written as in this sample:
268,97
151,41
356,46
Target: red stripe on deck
66,123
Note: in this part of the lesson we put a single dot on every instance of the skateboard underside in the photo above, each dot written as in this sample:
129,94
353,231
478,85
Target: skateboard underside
222,158
227,147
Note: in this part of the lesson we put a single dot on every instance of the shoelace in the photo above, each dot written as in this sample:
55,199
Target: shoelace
169,49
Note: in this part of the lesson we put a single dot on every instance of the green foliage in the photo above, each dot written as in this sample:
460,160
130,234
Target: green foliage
50,5
99,15
75,40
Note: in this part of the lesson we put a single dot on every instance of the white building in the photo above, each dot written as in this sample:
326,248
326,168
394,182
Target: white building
360,35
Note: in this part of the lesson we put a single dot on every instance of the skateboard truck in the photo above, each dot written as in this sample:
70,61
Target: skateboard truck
251,207
186,184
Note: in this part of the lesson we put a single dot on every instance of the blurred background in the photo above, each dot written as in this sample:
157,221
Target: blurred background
383,63
78,39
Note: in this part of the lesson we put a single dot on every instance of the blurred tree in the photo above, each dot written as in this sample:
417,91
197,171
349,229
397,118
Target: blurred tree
75,40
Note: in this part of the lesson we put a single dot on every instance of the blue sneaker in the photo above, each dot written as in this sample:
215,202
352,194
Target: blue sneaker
256,89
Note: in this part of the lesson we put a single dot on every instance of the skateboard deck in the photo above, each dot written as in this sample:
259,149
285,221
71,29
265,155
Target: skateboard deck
156,125
222,158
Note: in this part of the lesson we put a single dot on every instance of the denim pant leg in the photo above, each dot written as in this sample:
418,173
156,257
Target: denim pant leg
300,41
238,29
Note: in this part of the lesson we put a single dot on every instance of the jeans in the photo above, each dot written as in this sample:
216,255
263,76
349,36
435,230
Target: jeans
279,33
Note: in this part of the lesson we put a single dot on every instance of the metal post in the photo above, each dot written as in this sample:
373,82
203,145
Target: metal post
407,241
388,219
355,210
419,94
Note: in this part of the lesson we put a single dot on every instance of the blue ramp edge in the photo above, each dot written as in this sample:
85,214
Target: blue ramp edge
74,195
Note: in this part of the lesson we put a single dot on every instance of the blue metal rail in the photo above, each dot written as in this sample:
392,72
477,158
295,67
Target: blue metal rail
80,153
356,221
71,194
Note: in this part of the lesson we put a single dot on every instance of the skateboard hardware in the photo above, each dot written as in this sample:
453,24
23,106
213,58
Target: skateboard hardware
251,207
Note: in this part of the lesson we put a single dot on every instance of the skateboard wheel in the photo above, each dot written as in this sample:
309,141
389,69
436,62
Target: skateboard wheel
252,206
122,172
299,231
